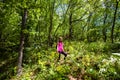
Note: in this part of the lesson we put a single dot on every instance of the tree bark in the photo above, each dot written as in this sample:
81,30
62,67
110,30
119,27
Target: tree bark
70,26
104,28
51,24
88,26
113,24
22,39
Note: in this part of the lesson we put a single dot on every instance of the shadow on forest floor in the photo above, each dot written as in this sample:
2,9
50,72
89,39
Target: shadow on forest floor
7,62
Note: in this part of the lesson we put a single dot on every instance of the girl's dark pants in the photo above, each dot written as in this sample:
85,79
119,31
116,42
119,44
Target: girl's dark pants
64,53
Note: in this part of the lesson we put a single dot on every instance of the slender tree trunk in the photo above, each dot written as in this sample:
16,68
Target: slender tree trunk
104,28
113,24
88,26
50,36
22,39
51,24
70,26
60,24
50,30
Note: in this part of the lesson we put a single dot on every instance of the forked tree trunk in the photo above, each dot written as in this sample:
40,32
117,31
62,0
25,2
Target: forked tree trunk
113,24
22,39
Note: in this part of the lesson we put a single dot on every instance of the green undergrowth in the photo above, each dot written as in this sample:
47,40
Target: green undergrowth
87,61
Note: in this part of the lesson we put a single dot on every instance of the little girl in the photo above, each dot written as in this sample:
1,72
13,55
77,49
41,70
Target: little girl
60,48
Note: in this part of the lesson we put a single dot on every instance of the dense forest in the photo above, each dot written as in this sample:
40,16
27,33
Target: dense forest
30,29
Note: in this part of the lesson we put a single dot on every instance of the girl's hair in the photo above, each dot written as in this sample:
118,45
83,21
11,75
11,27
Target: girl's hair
60,39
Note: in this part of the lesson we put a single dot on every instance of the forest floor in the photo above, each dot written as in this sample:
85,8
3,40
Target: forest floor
84,62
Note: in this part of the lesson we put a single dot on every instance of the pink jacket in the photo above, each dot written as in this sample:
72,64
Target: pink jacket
60,46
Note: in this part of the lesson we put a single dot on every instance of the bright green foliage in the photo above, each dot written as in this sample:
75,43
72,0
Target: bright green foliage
83,60
91,22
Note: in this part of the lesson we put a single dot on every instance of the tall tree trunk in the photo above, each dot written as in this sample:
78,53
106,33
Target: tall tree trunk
113,24
104,28
22,39
50,30
70,26
51,24
88,26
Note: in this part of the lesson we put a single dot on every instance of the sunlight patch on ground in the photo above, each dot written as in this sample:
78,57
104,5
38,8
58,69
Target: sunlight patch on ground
118,54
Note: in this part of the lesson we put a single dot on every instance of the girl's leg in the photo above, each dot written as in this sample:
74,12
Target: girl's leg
59,57
65,54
